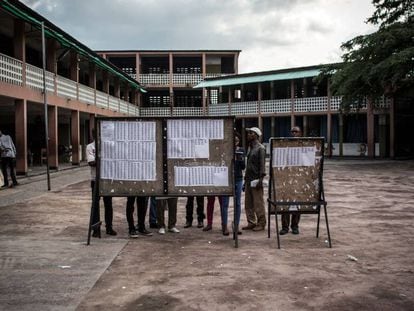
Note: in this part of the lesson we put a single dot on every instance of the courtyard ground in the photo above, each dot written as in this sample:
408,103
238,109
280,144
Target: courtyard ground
45,264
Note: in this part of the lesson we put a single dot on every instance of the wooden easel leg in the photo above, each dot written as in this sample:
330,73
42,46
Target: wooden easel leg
235,225
268,220
327,225
319,217
277,231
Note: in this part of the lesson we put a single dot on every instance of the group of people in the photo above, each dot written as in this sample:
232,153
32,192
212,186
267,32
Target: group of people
252,184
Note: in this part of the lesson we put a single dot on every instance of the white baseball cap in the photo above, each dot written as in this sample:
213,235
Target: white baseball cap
255,130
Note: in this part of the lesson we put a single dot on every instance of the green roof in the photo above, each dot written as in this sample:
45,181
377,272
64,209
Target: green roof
259,77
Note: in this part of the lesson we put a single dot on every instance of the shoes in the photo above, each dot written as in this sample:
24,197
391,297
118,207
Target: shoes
258,228
16,184
207,228
239,233
153,226
96,234
133,234
295,230
283,231
188,224
200,224
4,186
174,230
161,231
144,232
249,227
225,230
110,231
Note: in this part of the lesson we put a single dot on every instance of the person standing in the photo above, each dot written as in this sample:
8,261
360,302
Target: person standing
8,159
296,131
255,172
142,206
189,208
239,166
90,156
162,204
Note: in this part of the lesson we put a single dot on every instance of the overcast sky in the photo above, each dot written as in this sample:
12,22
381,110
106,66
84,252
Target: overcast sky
272,34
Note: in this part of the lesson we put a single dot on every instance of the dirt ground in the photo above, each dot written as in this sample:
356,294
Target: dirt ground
369,267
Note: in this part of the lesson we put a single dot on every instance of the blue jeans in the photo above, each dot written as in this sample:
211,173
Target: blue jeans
237,201
153,211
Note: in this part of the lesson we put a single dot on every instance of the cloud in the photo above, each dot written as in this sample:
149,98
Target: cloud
269,32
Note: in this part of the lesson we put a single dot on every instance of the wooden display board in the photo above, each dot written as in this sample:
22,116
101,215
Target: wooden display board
165,156
296,185
296,171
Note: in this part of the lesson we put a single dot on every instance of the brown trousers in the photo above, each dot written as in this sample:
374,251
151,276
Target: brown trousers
254,205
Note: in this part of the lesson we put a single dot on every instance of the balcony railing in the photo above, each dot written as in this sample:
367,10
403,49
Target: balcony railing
11,71
186,79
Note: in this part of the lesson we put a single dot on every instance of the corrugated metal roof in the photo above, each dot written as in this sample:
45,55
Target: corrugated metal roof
238,80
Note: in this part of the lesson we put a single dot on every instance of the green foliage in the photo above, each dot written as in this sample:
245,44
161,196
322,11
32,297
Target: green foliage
377,64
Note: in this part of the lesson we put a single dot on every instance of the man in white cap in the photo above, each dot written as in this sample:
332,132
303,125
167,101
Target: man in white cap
255,171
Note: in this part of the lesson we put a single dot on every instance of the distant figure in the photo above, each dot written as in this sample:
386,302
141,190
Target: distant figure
255,172
90,156
8,159
295,132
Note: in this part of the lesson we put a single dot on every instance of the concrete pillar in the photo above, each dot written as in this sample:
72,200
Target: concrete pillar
75,136
73,66
52,115
137,66
272,89
305,126
329,122
91,127
51,56
382,135
392,129
272,126
19,45
21,136
341,134
370,129
292,103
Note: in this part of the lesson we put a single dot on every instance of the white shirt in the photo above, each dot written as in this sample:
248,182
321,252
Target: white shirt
90,157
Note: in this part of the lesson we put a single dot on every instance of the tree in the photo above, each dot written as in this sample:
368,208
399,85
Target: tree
380,63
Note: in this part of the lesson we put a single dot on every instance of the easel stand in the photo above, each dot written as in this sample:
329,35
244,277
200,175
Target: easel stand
94,212
273,205
295,184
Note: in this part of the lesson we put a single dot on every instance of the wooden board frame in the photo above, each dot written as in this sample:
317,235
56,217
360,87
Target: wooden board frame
221,154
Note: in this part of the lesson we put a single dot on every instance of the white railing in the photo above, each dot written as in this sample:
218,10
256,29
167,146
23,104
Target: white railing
102,99
219,110
311,104
123,106
187,78
155,112
153,78
336,102
215,75
133,110
11,70
187,111
114,103
66,88
251,107
276,106
34,78
86,94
